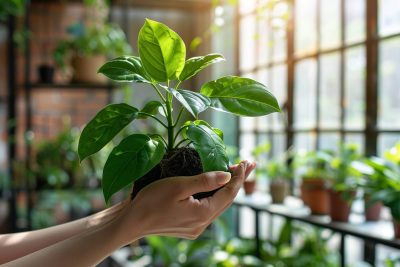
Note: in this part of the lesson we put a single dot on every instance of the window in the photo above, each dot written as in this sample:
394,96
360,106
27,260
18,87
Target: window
325,55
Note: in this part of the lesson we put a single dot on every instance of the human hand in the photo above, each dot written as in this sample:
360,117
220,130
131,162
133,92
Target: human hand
167,207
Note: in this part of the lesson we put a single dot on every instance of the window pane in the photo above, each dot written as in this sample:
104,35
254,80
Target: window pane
305,26
355,139
305,94
354,102
389,84
247,6
279,74
329,102
247,42
264,39
329,141
264,122
304,141
387,141
330,29
354,21
247,124
278,144
389,17
3,136
279,45
247,144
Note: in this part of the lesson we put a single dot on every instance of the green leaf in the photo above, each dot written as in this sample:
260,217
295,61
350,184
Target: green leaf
151,107
125,69
162,51
210,147
104,127
136,155
195,64
192,101
219,132
240,96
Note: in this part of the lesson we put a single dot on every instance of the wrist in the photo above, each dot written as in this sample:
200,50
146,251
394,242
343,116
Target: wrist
128,225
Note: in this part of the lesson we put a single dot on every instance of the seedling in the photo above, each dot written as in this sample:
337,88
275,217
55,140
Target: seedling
189,148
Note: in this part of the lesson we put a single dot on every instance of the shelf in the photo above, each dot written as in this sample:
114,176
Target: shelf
379,232
70,86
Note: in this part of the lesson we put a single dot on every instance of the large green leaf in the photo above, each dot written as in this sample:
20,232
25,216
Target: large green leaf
162,51
192,101
136,155
103,127
195,64
125,69
240,96
210,147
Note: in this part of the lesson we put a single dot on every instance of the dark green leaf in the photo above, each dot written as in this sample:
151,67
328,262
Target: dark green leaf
195,64
104,127
125,69
162,51
150,108
136,155
210,147
240,96
192,101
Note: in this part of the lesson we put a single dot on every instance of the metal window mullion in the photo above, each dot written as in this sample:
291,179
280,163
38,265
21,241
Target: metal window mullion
318,78
342,70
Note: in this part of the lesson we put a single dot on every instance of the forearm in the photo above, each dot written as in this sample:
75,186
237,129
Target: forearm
82,250
13,246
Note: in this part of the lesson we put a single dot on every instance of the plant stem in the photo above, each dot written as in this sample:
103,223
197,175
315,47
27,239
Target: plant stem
179,116
159,93
179,131
154,117
180,142
165,142
170,120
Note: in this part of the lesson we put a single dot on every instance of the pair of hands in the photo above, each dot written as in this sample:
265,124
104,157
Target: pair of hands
167,207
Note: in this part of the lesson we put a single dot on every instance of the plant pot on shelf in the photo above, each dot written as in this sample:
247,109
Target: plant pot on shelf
249,187
85,68
340,208
278,189
373,211
315,195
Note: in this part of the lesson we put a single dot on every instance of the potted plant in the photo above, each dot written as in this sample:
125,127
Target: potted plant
344,181
188,149
88,49
279,172
387,188
315,172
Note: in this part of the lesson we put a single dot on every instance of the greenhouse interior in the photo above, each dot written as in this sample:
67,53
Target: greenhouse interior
222,133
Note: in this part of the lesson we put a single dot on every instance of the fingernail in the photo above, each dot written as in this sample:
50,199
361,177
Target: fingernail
223,177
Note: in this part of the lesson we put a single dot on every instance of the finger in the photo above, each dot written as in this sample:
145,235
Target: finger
204,182
250,168
227,193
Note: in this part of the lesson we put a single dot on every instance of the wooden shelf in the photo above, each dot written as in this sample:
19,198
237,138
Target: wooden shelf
69,86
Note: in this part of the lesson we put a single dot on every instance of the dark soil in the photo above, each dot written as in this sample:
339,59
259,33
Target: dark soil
178,162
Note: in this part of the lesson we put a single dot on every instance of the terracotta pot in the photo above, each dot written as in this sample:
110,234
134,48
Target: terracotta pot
372,212
278,189
339,208
396,226
85,69
315,195
249,187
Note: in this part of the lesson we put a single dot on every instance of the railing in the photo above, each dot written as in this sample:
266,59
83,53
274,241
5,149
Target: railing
372,233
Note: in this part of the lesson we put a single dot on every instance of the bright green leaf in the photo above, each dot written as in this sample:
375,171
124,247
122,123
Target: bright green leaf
219,132
104,127
136,155
195,64
162,51
125,69
210,147
240,96
192,101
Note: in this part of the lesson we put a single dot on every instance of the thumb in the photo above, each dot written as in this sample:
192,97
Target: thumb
204,182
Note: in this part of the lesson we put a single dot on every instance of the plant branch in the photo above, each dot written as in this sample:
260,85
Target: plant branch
154,117
162,138
179,131
158,92
170,120
180,142
179,116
